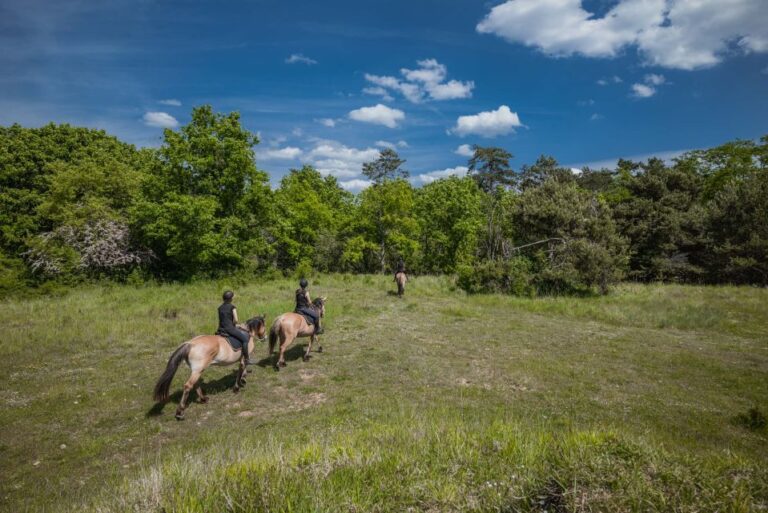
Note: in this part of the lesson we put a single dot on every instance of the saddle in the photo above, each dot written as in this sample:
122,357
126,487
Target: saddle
307,317
233,341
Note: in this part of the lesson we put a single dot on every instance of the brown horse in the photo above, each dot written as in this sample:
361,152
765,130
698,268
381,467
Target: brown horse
200,353
289,326
401,278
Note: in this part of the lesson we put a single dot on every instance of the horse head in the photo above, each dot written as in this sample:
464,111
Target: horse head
257,326
319,304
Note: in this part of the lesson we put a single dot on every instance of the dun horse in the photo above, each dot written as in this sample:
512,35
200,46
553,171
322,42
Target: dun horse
200,353
401,278
290,326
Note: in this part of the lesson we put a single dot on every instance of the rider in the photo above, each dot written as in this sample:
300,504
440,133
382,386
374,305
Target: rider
228,323
400,267
304,306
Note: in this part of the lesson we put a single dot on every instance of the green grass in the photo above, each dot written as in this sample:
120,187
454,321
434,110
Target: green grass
435,402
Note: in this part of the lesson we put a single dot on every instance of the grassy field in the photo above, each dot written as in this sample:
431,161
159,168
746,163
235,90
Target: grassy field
434,402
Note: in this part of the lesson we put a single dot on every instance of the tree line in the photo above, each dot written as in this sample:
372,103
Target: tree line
77,204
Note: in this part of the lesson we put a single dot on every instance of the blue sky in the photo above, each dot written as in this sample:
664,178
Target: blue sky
329,83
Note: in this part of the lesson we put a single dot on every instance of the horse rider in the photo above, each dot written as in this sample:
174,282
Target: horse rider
228,324
304,306
400,267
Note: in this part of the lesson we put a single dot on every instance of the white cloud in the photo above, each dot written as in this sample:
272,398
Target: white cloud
379,114
355,185
437,175
297,132
378,91
596,117
465,150
654,79
666,156
387,144
642,91
426,81
287,153
299,58
171,101
333,158
160,119
488,124
610,80
680,34
330,123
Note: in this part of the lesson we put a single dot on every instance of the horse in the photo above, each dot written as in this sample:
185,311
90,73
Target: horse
201,352
400,278
288,327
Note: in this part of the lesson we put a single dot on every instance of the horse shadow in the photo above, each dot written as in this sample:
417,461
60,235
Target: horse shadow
291,355
226,382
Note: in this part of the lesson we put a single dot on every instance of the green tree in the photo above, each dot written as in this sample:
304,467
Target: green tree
205,207
313,210
388,166
545,168
489,166
384,229
450,218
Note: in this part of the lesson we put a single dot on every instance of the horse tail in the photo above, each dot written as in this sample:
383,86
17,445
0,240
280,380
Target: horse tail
273,335
163,384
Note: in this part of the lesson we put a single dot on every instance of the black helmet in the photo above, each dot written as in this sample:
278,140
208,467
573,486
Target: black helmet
303,283
228,295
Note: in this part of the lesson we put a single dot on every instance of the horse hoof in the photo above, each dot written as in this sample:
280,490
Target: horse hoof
204,400
235,390
179,416
242,382
282,364
320,349
306,358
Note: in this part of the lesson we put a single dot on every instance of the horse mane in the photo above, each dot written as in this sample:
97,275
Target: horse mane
254,322
317,302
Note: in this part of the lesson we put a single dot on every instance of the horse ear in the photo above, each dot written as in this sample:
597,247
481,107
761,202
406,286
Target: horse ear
324,298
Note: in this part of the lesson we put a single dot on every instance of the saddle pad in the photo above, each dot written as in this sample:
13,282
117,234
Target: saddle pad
236,345
307,318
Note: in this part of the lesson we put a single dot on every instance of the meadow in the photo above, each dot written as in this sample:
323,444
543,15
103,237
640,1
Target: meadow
440,401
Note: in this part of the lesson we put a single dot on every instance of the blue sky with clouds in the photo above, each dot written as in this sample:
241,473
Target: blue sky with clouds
330,83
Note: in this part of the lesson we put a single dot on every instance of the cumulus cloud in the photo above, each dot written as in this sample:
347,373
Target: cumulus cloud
465,150
654,79
334,158
648,89
287,153
387,144
329,122
171,101
298,58
160,119
430,177
426,81
610,80
378,91
488,124
355,185
379,114
677,34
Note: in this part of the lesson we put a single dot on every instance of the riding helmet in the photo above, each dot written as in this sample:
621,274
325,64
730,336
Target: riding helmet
303,283
228,295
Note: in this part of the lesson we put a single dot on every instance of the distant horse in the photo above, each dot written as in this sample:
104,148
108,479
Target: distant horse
289,326
401,278
201,352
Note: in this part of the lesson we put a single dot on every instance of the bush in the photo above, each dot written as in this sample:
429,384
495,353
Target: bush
491,276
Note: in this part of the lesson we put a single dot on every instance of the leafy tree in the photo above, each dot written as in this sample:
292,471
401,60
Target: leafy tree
489,166
312,212
205,206
737,231
661,215
545,168
388,166
570,236
385,228
450,218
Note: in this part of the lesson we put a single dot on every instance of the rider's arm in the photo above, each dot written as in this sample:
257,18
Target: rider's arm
234,316
309,299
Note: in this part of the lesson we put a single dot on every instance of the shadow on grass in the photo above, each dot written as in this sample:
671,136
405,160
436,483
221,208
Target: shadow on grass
293,353
222,384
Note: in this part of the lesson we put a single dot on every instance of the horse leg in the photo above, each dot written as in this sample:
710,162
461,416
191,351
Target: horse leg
309,348
283,346
188,386
200,395
240,379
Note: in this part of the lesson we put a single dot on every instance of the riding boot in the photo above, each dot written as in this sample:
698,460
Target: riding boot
318,329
